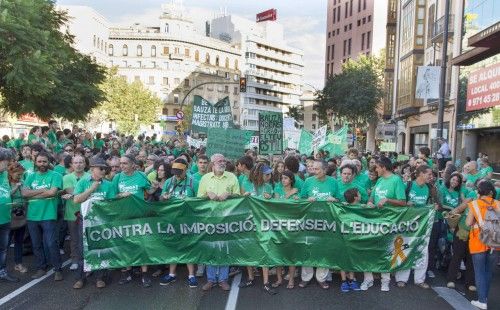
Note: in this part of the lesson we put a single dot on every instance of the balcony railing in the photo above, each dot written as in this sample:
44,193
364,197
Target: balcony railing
438,29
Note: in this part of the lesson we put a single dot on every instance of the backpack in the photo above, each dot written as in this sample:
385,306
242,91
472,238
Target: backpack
489,226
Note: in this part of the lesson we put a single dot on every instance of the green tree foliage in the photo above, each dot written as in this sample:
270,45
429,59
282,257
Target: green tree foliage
354,94
129,105
40,72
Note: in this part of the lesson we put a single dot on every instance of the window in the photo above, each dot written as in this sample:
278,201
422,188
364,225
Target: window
166,51
329,34
313,126
94,40
110,50
346,9
153,51
345,28
350,8
327,68
368,37
139,50
236,64
125,50
314,117
151,80
166,28
369,18
359,22
139,64
207,58
333,52
338,14
186,52
345,47
359,5
226,89
165,80
364,4
362,41
334,15
176,51
186,82
328,52
235,90
350,26
176,98
349,47
364,20
217,60
226,63
164,111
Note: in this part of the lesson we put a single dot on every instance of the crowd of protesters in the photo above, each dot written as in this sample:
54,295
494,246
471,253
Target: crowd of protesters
46,176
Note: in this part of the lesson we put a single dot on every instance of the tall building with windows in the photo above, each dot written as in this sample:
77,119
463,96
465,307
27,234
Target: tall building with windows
273,69
354,27
170,57
477,56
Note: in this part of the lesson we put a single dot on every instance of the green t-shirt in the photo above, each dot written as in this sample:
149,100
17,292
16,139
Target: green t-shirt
391,187
471,179
18,143
32,139
194,168
5,199
279,191
52,137
98,144
418,194
343,187
69,181
60,169
182,189
485,171
45,208
449,199
242,178
135,184
28,165
88,143
299,183
320,190
497,196
249,187
362,180
105,190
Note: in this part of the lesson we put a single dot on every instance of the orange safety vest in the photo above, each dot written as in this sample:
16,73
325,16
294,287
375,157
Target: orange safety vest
475,244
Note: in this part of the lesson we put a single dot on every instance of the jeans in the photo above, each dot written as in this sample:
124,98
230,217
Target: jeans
460,252
45,232
4,244
220,272
484,263
18,236
75,242
436,233
78,239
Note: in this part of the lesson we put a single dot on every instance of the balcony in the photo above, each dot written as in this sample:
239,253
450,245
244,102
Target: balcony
438,29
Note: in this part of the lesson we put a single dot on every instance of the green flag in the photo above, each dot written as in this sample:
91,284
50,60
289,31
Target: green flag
338,140
207,115
229,142
305,142
247,231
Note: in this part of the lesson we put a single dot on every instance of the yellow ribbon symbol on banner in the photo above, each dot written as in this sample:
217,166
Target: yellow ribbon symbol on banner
398,251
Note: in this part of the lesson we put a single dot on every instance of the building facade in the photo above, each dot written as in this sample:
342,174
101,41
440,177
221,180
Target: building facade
478,59
170,57
354,27
273,69
309,119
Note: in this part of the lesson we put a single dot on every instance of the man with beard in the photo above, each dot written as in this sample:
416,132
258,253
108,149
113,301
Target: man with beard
41,189
218,186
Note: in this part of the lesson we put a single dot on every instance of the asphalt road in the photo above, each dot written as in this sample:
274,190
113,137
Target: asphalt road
49,294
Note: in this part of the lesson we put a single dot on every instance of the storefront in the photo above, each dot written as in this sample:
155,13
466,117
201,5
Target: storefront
478,102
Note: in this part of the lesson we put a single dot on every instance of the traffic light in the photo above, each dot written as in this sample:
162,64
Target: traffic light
243,84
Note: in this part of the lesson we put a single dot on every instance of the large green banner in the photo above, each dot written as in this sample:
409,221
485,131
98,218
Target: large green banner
229,142
247,231
305,142
207,115
270,133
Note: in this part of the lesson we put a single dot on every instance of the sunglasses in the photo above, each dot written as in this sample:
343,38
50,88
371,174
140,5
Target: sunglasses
68,150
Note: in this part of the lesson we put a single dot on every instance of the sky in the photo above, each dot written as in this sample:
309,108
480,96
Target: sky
304,21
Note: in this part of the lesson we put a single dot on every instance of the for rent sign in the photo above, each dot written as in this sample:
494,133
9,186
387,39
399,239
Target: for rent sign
483,89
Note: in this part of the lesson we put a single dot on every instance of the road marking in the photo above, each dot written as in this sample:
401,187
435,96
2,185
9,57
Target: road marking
454,298
233,294
28,285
